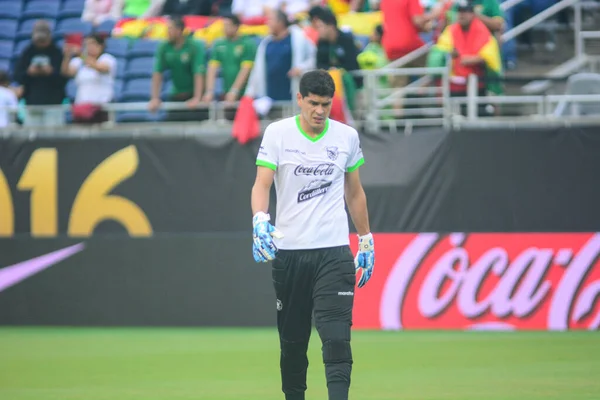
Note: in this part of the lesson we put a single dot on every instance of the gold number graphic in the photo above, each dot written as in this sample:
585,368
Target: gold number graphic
93,203
7,212
40,178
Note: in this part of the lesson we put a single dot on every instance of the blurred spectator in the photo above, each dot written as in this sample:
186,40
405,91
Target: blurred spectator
98,11
402,22
140,8
488,11
234,55
94,73
291,7
186,59
373,55
334,47
472,49
39,76
281,59
364,5
314,15
245,9
8,100
187,7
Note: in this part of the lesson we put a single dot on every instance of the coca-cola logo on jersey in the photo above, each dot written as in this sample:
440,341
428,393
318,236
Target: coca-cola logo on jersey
324,169
494,281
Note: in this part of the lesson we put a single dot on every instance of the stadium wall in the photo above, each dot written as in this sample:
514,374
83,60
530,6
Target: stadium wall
156,231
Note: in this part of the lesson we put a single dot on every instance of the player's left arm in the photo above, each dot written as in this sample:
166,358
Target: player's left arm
356,199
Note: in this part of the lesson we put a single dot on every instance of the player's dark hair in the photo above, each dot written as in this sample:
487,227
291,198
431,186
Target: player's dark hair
317,82
233,18
379,30
328,18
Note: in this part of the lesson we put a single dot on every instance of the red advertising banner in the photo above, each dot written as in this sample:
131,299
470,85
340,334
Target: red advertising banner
482,281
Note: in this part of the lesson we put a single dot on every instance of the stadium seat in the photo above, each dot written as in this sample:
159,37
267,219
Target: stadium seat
136,90
8,29
362,41
119,84
121,68
140,116
73,25
71,89
71,9
5,65
105,27
143,48
10,10
6,50
166,90
19,47
139,68
41,9
117,47
26,28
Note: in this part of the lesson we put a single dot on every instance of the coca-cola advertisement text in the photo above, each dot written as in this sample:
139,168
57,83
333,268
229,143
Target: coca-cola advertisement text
482,281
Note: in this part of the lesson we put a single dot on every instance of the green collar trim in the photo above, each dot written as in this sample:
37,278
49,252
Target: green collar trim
306,135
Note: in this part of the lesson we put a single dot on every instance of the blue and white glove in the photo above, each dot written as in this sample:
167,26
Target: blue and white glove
365,258
263,232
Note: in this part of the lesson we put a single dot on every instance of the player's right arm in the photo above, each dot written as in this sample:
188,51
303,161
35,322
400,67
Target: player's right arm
262,189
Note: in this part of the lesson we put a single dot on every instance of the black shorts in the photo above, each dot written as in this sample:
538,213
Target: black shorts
306,281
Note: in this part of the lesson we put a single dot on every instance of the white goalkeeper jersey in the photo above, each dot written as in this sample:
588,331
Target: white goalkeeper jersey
309,181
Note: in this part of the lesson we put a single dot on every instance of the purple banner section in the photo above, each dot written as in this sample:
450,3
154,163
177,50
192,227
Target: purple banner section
14,274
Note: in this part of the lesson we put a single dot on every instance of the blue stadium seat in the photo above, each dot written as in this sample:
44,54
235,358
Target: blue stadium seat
136,90
6,50
41,9
121,68
19,47
143,48
71,89
139,68
119,84
26,28
8,29
73,25
166,90
105,27
10,10
71,9
140,116
363,41
117,47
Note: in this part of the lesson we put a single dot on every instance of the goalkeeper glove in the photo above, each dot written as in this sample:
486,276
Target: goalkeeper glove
365,258
264,248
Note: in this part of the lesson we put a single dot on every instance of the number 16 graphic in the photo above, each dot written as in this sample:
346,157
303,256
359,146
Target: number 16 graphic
93,203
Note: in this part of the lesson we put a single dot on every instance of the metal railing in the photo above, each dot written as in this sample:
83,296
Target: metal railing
426,101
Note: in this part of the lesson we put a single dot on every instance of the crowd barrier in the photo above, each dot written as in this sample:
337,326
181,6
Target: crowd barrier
474,229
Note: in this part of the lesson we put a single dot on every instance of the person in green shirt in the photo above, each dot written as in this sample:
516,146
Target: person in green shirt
186,59
488,11
234,56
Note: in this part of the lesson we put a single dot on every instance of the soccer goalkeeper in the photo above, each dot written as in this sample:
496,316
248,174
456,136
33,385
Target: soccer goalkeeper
314,163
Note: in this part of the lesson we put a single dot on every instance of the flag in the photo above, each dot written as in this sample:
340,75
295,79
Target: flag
246,125
476,41
340,109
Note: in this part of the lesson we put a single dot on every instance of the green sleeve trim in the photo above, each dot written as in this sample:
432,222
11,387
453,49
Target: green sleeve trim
356,166
262,163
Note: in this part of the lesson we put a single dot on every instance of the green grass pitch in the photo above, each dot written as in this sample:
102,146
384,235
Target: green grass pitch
243,364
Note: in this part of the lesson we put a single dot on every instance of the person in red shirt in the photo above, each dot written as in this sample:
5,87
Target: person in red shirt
403,20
